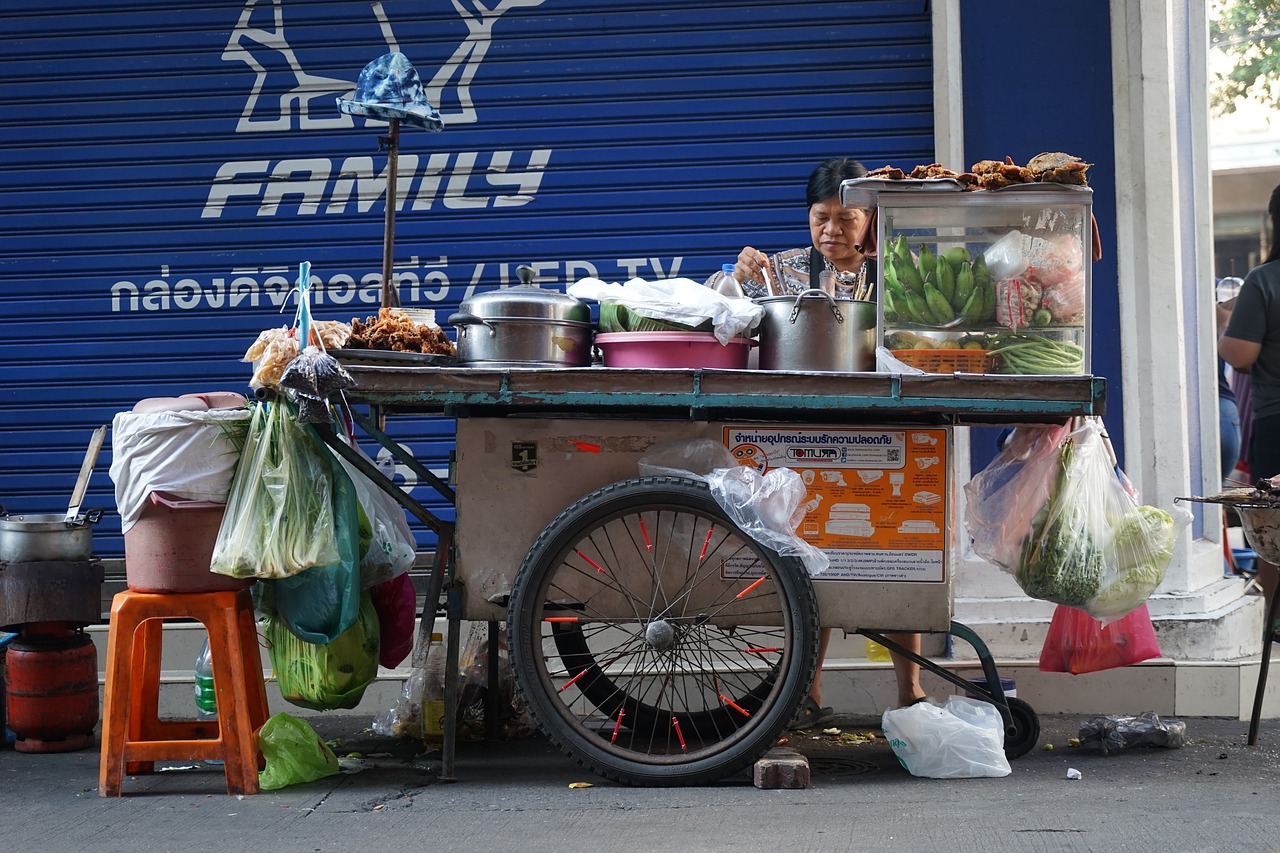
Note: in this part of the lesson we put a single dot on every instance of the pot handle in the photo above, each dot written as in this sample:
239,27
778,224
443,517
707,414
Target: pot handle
92,516
462,318
4,513
835,309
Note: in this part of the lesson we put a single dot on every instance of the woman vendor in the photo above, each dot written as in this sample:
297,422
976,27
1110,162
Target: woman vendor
834,231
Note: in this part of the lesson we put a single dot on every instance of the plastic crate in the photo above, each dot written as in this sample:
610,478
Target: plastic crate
947,360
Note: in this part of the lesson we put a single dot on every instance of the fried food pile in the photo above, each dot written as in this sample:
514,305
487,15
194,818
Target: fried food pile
395,330
1050,167
275,348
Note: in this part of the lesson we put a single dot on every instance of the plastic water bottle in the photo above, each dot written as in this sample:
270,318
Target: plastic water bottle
433,691
206,698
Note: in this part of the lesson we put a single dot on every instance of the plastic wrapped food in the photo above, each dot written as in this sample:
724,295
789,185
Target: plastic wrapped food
1112,734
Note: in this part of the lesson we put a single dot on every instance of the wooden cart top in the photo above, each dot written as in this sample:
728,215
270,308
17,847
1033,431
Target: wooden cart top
728,394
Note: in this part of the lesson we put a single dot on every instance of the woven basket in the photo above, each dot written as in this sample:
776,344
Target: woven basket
947,360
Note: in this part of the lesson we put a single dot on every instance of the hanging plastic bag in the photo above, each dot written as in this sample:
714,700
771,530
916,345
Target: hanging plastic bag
320,603
1077,643
279,518
1088,544
294,753
330,676
392,547
1003,498
768,507
962,739
397,604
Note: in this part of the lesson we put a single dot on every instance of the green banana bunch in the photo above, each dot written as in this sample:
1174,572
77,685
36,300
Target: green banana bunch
939,308
945,278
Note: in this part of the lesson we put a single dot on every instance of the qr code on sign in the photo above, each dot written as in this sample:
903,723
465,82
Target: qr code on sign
893,454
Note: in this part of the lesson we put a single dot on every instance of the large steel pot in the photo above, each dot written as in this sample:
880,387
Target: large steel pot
49,536
812,331
523,326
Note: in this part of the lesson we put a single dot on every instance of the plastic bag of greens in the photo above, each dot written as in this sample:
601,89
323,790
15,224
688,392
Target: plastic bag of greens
319,604
1087,544
294,753
325,677
279,517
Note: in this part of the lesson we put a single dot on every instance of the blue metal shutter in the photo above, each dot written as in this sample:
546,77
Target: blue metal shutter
167,167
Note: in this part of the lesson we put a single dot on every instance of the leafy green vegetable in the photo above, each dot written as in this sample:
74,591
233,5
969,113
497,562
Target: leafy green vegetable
1061,560
1143,545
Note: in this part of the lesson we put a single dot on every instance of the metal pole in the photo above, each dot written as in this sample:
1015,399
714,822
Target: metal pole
390,293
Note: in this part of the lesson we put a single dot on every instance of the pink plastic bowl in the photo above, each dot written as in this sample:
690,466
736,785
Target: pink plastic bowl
672,349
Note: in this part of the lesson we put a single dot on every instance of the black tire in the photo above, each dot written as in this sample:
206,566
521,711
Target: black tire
1023,730
654,641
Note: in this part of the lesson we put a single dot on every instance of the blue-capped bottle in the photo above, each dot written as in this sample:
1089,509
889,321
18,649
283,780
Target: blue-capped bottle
726,284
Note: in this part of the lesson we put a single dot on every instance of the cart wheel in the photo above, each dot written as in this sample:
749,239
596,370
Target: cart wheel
654,641
1023,730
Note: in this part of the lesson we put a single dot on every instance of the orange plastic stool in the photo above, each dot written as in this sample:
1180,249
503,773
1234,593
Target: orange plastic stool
133,735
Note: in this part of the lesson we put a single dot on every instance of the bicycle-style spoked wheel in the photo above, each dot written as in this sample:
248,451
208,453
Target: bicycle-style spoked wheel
654,641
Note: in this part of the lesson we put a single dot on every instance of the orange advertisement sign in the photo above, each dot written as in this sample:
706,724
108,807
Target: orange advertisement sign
877,499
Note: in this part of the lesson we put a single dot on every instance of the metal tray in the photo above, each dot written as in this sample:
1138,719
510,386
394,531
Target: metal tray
393,358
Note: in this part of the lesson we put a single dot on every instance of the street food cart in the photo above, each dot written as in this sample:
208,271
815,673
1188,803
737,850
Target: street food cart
651,635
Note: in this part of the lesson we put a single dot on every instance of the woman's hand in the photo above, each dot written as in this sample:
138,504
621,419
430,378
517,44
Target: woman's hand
750,266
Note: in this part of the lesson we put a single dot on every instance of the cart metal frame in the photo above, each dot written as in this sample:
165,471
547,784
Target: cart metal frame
695,396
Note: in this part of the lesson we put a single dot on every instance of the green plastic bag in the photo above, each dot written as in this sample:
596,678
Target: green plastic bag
294,753
330,676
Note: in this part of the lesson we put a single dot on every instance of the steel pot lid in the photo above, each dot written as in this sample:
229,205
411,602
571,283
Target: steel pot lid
526,302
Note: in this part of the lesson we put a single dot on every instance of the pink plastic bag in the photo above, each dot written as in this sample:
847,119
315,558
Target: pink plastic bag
1078,643
397,606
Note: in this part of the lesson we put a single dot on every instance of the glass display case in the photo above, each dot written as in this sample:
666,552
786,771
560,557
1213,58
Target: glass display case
982,281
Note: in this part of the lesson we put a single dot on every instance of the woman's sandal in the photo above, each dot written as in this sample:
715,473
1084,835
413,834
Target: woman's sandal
811,715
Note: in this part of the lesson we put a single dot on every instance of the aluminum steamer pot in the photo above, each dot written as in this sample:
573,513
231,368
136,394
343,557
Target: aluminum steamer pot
523,326
814,332
37,538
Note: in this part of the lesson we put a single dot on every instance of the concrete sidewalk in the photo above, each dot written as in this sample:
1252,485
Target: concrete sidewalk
1214,794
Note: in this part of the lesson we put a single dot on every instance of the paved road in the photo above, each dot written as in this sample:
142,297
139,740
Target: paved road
1214,794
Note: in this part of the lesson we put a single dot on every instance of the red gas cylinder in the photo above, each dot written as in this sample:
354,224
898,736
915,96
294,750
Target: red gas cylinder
52,686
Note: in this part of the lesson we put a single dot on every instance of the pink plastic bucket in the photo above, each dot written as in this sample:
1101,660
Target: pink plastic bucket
672,349
170,547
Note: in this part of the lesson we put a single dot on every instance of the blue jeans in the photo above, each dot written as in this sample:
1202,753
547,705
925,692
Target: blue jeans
1229,430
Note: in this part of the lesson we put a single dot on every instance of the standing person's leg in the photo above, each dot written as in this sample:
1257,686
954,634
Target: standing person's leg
1264,463
812,712
815,689
907,672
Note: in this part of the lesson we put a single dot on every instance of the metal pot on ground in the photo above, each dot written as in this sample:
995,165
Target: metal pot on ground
812,331
523,326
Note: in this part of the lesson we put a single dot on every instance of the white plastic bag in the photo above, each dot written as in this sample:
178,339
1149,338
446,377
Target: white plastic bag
392,547
767,507
960,740
187,454
676,300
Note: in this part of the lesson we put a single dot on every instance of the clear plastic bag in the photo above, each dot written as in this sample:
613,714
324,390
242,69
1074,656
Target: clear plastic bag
392,548
1112,734
1054,510
279,517
960,740
767,507
678,300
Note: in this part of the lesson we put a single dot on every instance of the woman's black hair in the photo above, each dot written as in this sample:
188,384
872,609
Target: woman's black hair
1273,208
824,182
